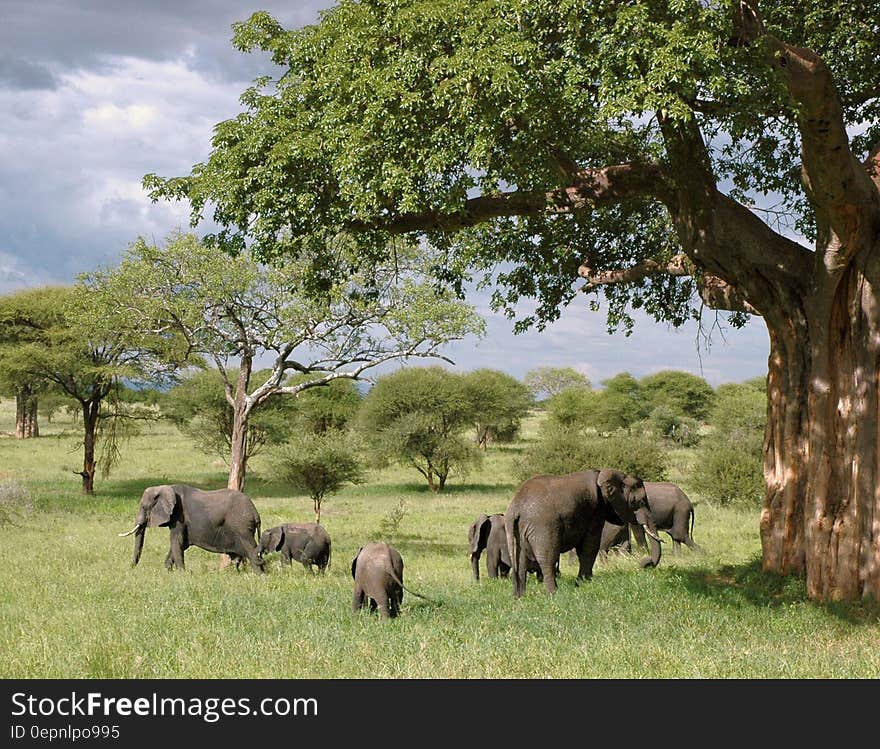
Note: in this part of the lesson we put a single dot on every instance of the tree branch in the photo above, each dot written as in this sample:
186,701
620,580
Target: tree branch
714,291
588,189
834,179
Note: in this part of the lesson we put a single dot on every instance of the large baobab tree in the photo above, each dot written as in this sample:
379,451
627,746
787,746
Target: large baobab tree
674,154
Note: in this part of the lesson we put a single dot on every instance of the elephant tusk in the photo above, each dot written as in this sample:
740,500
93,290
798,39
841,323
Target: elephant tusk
652,534
128,533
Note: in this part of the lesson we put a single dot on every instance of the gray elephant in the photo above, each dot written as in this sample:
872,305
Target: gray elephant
224,521
550,514
377,569
487,534
673,512
307,543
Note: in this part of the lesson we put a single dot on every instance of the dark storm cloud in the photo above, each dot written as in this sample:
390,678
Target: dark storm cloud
42,39
21,74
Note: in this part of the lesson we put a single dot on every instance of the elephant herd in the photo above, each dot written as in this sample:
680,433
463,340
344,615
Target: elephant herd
587,512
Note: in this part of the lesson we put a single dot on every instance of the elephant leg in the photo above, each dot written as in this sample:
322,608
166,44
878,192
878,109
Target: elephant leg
492,562
503,569
244,550
676,547
285,558
587,551
520,572
475,565
692,545
169,561
176,552
358,599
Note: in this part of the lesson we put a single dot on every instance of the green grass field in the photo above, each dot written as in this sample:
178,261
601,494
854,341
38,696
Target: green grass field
72,607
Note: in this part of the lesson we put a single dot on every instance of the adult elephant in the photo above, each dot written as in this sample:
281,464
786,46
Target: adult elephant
224,521
673,512
550,514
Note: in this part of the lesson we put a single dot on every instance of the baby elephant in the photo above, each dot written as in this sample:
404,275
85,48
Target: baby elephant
308,543
487,534
377,569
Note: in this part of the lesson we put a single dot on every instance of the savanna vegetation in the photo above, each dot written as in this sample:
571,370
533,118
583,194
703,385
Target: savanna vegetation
71,606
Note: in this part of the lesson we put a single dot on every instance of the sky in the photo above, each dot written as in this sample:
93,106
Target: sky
95,94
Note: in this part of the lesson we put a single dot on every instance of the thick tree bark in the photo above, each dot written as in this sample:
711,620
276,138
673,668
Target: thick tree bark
26,425
822,452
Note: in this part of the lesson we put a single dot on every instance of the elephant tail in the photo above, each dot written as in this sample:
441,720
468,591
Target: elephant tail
411,592
329,553
693,514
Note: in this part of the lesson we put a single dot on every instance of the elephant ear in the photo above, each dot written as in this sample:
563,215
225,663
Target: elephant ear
355,561
478,534
611,486
163,509
276,538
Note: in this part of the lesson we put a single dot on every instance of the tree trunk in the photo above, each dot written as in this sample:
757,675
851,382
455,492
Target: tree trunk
238,452
26,413
821,514
90,429
241,411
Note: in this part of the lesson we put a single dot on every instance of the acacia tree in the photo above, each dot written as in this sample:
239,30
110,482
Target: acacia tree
186,300
25,317
58,346
667,152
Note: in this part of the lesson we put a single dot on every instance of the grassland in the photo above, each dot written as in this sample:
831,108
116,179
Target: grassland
72,607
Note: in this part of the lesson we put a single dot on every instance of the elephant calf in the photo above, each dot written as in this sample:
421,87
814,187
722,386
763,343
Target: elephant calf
487,534
307,543
377,569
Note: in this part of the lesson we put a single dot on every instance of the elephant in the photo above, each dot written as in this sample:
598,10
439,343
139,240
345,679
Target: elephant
487,533
308,543
377,569
673,512
224,521
550,514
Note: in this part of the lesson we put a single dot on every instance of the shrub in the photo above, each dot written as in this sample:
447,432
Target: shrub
571,406
564,450
665,423
683,393
416,417
729,467
318,464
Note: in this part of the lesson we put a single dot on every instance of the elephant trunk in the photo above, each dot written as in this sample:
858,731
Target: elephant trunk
140,533
647,522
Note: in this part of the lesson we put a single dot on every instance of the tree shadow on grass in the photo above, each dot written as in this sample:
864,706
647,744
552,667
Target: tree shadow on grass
747,584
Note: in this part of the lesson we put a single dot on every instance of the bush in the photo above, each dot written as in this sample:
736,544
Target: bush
416,417
561,450
666,424
683,393
571,406
318,464
729,467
